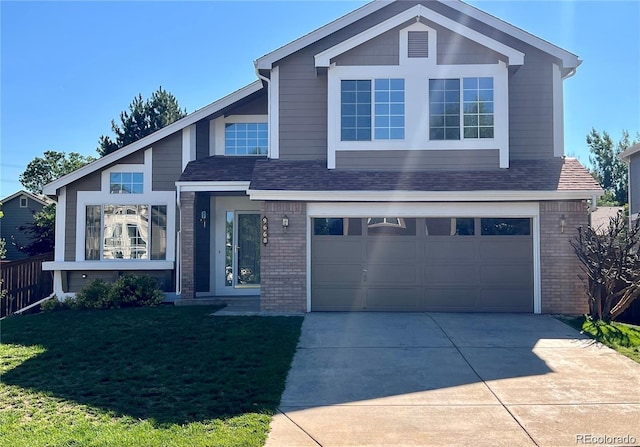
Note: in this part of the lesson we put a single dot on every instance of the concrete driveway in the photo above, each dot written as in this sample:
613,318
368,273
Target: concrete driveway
438,379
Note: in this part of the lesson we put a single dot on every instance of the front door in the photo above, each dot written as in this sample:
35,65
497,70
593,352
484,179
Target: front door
246,256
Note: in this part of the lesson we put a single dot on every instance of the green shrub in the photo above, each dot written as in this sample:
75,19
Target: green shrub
135,291
54,305
94,295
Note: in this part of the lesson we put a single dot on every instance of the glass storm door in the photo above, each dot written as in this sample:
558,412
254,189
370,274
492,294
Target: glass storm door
247,250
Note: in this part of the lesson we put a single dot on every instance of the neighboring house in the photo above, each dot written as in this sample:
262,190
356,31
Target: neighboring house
405,157
632,157
601,217
18,210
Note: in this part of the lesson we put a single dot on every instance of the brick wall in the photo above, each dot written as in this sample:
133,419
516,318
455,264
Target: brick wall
562,290
187,245
283,265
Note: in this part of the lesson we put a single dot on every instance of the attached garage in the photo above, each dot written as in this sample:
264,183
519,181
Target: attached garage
453,264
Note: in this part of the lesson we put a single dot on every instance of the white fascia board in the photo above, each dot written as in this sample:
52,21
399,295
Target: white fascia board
323,59
420,196
108,265
569,60
266,61
212,186
50,189
626,155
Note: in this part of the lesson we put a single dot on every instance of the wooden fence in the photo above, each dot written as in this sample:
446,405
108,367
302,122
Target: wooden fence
25,283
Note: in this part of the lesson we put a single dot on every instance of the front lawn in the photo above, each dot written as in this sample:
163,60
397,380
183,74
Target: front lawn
165,376
624,338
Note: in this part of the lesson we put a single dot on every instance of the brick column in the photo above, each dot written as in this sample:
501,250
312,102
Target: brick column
562,290
283,261
187,245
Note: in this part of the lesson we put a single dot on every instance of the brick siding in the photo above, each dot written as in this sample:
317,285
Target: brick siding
562,290
283,265
187,245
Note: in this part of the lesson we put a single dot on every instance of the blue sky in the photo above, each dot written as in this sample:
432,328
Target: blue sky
68,68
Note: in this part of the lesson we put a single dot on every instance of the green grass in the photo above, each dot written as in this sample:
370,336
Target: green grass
624,338
164,376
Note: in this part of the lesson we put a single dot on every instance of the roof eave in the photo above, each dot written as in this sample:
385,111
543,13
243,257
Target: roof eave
51,188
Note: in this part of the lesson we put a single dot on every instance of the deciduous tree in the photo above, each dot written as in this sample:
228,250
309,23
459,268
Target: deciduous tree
51,166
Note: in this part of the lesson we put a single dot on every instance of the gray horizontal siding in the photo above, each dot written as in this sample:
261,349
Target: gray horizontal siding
90,182
634,183
381,50
202,139
167,162
453,49
418,160
257,106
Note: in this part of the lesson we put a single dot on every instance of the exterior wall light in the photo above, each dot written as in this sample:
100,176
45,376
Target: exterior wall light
285,222
563,223
203,218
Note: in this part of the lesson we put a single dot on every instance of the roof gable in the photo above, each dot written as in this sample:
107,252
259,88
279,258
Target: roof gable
569,60
103,162
323,59
22,192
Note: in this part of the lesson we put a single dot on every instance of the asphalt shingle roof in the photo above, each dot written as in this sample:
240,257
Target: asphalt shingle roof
302,175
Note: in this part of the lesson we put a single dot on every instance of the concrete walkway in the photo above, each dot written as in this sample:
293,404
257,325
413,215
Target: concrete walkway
437,379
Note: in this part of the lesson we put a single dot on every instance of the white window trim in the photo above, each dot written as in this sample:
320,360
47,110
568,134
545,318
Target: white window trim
274,113
506,209
558,111
219,133
188,145
148,197
417,108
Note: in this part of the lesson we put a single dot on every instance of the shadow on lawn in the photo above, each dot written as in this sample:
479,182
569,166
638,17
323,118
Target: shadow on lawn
172,365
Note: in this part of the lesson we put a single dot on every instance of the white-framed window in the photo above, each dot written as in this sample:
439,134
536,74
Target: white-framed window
136,228
24,202
461,108
126,182
239,135
246,138
365,116
126,232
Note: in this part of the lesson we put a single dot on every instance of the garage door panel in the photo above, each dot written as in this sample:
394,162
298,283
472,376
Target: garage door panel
501,274
450,248
387,274
392,298
340,248
387,249
449,298
337,274
451,274
336,298
506,299
506,247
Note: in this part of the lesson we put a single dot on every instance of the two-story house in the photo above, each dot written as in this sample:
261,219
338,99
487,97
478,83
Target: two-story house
632,157
405,157
18,210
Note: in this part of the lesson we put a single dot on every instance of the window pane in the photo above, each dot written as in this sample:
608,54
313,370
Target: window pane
478,97
444,109
355,110
246,139
450,226
125,231
159,232
228,252
126,183
92,233
389,95
506,226
337,226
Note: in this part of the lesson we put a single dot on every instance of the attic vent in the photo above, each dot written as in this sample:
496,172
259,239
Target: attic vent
418,44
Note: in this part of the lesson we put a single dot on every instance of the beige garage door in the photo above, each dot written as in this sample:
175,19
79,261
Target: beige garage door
461,264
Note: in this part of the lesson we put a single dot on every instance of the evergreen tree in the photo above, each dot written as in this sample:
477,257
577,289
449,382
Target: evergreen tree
142,119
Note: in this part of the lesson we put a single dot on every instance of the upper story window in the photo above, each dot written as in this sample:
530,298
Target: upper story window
24,202
246,139
446,104
357,109
126,183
